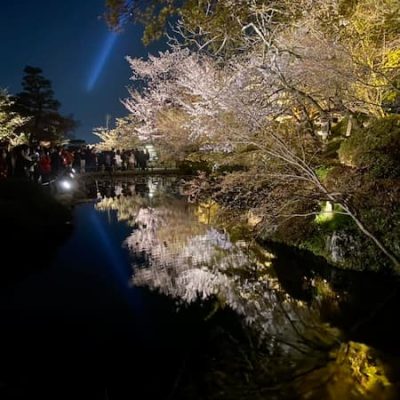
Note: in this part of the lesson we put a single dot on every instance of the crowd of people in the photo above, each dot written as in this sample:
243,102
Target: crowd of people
41,164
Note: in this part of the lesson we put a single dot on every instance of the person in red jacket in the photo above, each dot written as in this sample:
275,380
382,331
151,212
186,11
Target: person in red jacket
44,166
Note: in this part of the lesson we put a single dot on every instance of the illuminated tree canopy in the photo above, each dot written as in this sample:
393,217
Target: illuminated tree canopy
270,88
10,121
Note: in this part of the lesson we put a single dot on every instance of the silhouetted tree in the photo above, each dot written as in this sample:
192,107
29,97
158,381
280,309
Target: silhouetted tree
37,102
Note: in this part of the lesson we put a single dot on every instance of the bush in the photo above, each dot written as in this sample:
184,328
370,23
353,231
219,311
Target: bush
375,148
189,167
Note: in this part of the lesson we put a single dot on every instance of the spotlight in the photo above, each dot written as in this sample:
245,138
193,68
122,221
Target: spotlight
67,185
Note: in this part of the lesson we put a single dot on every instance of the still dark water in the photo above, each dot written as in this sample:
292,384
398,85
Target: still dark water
150,297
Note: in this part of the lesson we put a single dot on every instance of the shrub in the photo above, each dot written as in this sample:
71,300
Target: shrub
375,148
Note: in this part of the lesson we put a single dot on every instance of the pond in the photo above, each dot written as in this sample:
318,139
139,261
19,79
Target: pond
152,297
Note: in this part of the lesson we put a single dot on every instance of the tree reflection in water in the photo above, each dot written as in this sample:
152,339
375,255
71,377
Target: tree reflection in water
181,254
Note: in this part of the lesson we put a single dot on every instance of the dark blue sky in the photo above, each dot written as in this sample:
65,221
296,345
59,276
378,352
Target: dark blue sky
69,41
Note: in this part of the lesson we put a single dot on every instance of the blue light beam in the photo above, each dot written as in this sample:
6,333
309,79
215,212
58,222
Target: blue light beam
122,277
101,60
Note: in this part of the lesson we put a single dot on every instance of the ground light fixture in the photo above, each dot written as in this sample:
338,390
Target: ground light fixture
66,184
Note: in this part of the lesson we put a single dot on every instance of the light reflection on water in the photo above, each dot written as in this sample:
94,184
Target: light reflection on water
181,252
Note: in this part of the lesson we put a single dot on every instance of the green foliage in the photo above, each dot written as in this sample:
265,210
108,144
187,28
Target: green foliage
322,172
391,101
331,217
155,20
316,244
359,252
393,59
323,226
114,9
347,7
236,228
293,231
375,148
379,208
331,149
221,21
340,128
354,371
153,15
231,168
188,167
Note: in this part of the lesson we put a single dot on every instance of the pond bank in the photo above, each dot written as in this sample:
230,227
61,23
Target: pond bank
33,223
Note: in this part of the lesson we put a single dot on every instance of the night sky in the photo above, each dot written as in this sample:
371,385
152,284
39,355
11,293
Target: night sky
73,46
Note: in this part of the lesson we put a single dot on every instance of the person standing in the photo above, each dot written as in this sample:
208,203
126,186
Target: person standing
23,162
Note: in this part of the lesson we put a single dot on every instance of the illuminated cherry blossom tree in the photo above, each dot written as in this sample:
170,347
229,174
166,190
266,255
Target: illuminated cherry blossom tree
122,136
244,101
9,121
294,67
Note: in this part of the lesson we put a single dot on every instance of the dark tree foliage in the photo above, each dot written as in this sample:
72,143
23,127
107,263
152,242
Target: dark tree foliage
37,102
152,14
119,12
223,21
